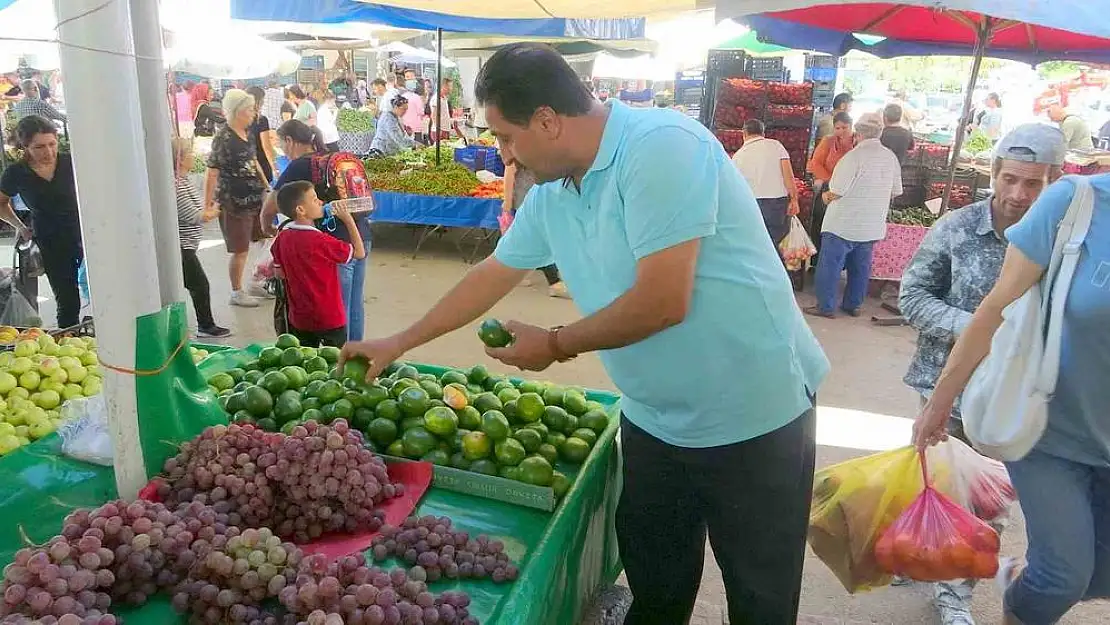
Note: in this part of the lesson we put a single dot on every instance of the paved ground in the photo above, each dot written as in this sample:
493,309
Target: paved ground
863,405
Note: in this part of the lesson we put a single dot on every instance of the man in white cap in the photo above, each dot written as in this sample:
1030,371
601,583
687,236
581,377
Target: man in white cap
956,266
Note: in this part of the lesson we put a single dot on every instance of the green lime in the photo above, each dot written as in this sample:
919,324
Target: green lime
503,384
570,424
318,376
492,382
507,395
459,461
288,406
550,452
257,401
221,399
328,410
539,427
269,358
553,396
453,376
373,395
484,466
313,388
242,386
469,418
285,341
494,334
221,381
388,409
427,377
292,357
485,402
555,439
310,403
396,449
585,434
414,402
392,368
407,371
236,402
330,354
298,377
476,445
529,407
596,420
408,423
532,386
401,385
510,473
595,405
252,377
275,382
474,390
417,442
314,364
438,457
529,438
236,374
477,374
432,388
287,428
441,421
309,353
362,418
574,450
382,431
252,365
509,452
536,470
575,403
560,484
330,391
354,397
495,425
243,416
356,369
343,409
267,425
555,418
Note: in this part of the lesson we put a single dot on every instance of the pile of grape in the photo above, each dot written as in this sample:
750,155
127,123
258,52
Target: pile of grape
348,591
318,479
435,550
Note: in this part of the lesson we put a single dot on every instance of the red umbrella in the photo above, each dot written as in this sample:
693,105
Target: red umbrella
1027,30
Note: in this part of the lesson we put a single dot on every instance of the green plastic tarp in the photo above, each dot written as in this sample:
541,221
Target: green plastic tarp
566,556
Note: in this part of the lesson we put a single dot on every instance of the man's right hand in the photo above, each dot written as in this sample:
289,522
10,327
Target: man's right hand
379,354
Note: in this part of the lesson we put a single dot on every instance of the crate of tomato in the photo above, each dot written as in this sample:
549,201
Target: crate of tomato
731,139
790,93
963,186
751,94
931,154
729,116
793,115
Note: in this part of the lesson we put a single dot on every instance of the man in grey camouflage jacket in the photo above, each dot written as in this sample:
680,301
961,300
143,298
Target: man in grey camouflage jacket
956,266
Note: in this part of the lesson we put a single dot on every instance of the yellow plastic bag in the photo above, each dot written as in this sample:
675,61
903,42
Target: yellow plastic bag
853,503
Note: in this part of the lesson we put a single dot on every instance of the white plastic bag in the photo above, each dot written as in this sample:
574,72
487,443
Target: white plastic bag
796,247
18,312
1005,405
979,484
84,430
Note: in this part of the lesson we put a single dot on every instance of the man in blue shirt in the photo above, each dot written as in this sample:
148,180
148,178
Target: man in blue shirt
663,250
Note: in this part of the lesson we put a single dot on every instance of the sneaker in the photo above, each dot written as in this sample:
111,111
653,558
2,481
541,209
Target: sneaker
953,602
852,312
259,290
213,332
559,290
817,312
239,298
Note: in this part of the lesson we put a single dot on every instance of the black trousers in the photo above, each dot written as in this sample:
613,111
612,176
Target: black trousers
774,217
196,282
551,273
752,498
61,257
333,338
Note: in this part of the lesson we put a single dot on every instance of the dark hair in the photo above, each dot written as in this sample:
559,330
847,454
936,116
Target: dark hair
841,99
842,118
32,125
521,78
258,93
297,92
398,100
290,196
994,96
892,113
754,127
301,133
378,81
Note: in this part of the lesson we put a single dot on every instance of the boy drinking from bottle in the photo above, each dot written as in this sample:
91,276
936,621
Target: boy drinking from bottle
307,259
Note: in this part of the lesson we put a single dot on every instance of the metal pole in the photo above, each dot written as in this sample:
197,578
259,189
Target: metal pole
983,38
154,107
438,88
96,49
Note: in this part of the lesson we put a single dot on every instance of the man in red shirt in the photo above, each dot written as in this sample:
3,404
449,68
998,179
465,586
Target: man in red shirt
308,261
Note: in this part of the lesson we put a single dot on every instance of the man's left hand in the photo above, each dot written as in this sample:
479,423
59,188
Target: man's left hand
530,349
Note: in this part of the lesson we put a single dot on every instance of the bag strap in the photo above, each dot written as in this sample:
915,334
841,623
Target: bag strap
1065,258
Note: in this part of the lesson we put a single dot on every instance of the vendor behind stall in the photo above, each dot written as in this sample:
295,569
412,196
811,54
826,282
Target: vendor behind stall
390,136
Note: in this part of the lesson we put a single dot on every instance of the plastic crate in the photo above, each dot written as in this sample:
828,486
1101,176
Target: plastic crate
790,115
820,73
766,64
931,155
790,93
822,60
964,186
913,195
726,64
771,75
467,157
913,175
489,159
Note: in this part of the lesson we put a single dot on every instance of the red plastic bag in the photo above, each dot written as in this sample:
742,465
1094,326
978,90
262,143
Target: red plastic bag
936,540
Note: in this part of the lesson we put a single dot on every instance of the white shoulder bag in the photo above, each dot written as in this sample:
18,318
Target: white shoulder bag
1005,405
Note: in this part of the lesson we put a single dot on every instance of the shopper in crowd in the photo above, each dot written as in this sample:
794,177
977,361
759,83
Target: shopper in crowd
842,103
519,180
301,144
235,185
658,239
956,266
306,259
32,104
378,89
823,162
208,119
272,100
442,115
896,138
342,87
183,110
910,114
858,197
390,135
1063,483
326,119
765,164
44,180
263,135
202,93
362,97
414,117
306,110
1076,131
191,217
990,122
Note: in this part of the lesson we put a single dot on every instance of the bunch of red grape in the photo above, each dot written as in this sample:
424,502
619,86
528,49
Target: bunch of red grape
435,550
348,591
318,479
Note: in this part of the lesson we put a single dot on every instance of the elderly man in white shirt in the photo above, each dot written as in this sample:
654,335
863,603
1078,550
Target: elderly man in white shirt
765,164
859,195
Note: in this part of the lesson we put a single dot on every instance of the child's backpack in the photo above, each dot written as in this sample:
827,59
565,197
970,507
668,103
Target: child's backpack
339,176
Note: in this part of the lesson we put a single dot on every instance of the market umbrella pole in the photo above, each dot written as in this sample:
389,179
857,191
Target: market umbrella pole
438,88
983,37
109,156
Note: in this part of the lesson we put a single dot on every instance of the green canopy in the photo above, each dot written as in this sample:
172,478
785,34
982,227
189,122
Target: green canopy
750,43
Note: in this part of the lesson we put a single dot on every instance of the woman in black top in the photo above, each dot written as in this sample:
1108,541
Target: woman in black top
263,134
43,179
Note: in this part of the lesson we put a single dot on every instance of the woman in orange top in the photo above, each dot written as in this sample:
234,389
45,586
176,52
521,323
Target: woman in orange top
828,153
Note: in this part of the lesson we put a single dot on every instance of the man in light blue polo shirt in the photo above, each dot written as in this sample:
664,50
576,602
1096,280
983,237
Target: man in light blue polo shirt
664,252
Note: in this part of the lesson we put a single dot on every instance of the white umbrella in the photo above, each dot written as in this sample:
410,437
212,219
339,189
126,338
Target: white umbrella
419,57
227,55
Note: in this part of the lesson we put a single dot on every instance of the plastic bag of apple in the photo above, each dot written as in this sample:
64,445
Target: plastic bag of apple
36,378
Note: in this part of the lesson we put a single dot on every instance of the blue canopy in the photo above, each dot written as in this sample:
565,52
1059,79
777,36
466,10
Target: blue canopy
5,4
339,11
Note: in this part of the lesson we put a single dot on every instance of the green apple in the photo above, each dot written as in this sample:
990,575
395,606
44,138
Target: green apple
92,386
6,359
6,429
30,380
61,376
21,430
89,359
94,371
49,400
21,365
68,362
49,365
7,383
19,393
50,384
17,417
76,373
8,444
72,391
39,430
90,342
26,348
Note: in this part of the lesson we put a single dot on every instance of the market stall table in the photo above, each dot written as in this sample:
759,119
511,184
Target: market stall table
478,216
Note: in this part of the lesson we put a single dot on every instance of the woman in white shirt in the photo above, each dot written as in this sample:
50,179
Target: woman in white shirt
326,121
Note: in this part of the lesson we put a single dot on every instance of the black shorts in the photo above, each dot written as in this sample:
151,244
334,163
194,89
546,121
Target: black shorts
334,338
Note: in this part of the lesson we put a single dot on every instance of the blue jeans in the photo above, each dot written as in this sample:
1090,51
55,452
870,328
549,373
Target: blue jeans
352,279
836,255
1067,524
